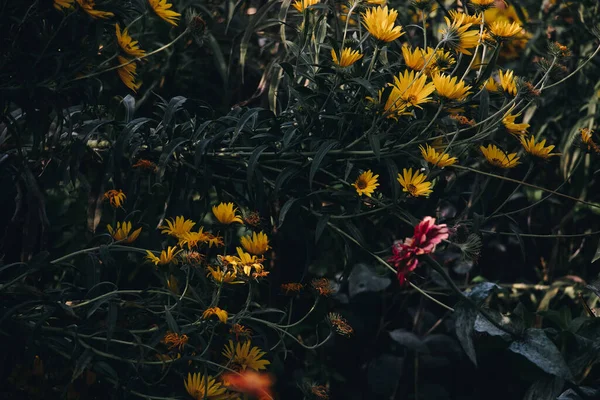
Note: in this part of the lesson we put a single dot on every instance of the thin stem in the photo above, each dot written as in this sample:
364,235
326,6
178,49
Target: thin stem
540,236
372,64
576,70
424,293
509,196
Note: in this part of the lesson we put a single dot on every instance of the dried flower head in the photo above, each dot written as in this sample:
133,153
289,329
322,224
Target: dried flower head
322,286
175,340
292,287
339,324
115,197
240,330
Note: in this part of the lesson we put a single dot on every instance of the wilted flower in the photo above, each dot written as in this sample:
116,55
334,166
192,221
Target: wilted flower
174,340
292,287
115,197
240,330
340,325
218,312
322,286
509,123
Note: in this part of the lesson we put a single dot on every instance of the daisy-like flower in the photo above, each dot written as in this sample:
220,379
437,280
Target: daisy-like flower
202,387
115,197
226,214
88,7
256,384
121,234
127,43
243,262
377,2
161,8
192,239
509,123
166,257
482,4
256,244
457,35
508,82
291,287
586,139
177,227
537,149
474,19
348,57
301,5
409,92
128,72
223,275
243,356
415,184
491,85
145,164
175,340
322,286
60,4
339,324
414,59
440,160
216,311
448,88
379,21
499,158
502,30
366,183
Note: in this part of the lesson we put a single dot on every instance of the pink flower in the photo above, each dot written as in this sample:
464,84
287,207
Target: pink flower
426,237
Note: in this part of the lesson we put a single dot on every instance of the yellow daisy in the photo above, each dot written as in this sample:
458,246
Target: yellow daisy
121,234
348,57
366,183
508,82
415,185
379,21
483,4
242,356
407,92
491,85
414,59
226,214
166,257
509,123
537,149
161,8
192,239
244,262
301,5
88,7
474,19
499,158
256,244
60,4
223,275
457,36
437,159
202,387
115,197
502,30
216,311
126,43
177,227
127,72
448,88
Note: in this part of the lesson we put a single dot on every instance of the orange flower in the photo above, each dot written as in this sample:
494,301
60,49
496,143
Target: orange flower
322,286
291,287
174,340
250,382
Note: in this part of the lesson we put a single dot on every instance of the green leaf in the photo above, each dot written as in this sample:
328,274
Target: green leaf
375,143
174,105
392,169
484,105
319,156
284,210
171,323
129,104
166,154
597,255
547,388
82,362
464,328
252,162
541,351
250,114
321,224
408,340
250,29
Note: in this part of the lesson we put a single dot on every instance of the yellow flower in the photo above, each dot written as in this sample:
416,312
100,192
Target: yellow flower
177,227
202,387
407,92
377,2
242,356
537,149
457,35
586,139
414,59
218,312
509,123
437,159
60,4
348,58
166,257
428,60
448,88
466,19
380,23
226,214
502,30
483,4
88,7
499,158
192,239
366,183
115,197
244,262
491,85
508,82
127,72
223,276
126,42
256,244
302,5
215,240
161,8
121,234
415,185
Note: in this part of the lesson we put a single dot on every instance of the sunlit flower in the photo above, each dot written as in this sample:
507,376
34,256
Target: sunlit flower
174,340
499,158
509,123
379,21
115,197
430,61
192,239
457,35
491,85
127,73
251,383
60,4
537,149
340,325
348,57
322,286
301,5
127,43
474,19
440,159
121,234
161,8
256,244
202,387
291,287
366,183
223,275
448,88
88,7
502,30
243,262
409,91
145,164
166,257
414,59
415,185
226,213
177,227
240,330
508,82
243,357
216,311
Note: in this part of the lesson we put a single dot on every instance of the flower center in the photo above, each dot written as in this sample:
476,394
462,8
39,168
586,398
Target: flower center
412,189
412,99
496,161
362,184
